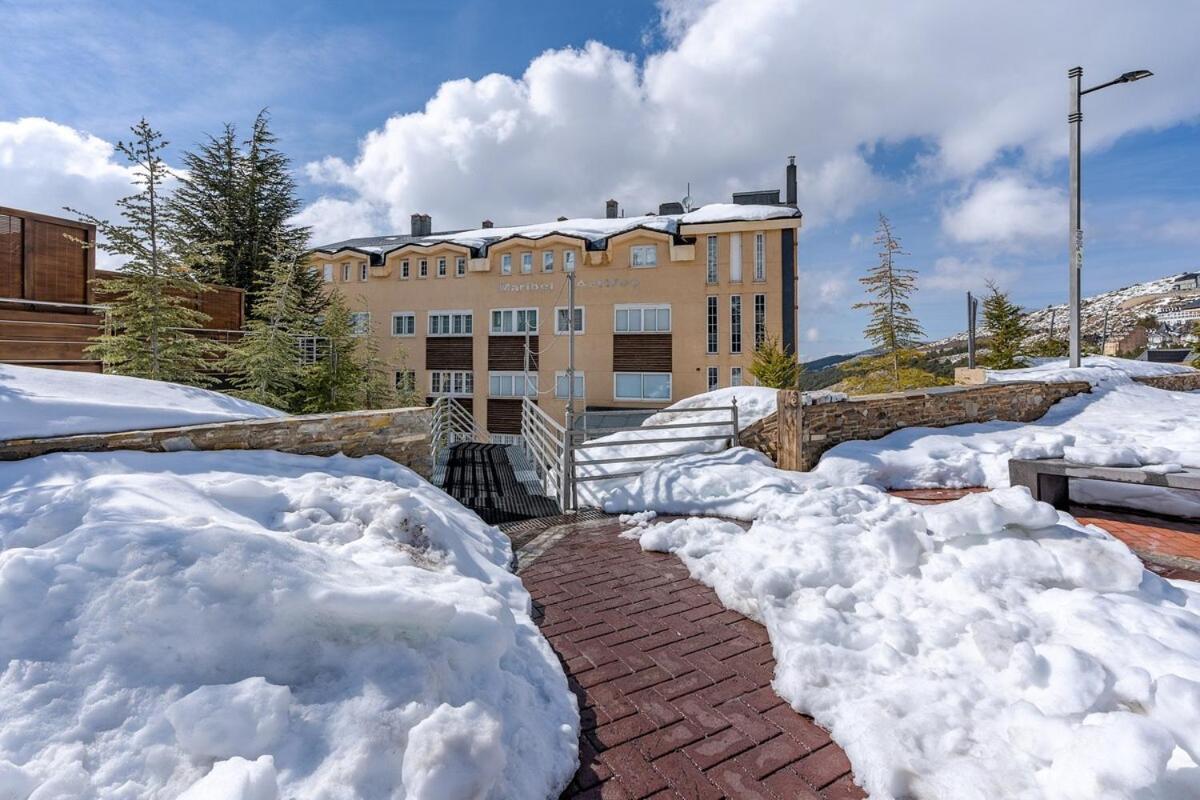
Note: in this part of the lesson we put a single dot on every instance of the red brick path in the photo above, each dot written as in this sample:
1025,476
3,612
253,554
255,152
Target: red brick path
674,689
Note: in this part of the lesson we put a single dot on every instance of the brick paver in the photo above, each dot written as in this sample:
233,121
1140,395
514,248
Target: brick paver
674,689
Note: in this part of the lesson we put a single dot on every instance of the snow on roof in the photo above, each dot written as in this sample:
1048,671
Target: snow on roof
48,402
593,231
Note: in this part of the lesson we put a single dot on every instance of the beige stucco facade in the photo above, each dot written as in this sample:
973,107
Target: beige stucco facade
607,282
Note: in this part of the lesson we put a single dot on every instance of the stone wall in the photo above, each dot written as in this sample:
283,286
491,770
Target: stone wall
401,434
803,432
1180,382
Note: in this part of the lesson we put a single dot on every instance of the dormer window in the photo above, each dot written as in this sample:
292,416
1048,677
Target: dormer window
643,255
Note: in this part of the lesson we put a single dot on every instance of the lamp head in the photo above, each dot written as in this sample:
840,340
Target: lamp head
1136,75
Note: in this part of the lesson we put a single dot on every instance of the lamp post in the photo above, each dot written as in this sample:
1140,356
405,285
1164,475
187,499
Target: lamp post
1075,240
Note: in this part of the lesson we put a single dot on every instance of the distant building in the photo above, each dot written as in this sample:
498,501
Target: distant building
1168,355
1186,282
1180,312
1133,340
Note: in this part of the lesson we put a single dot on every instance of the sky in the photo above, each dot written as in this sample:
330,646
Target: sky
948,117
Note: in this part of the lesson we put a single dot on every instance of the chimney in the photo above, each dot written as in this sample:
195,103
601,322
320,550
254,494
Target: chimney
487,223
791,181
670,208
611,210
421,224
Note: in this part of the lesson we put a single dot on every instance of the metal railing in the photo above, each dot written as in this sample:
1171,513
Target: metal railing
453,424
545,443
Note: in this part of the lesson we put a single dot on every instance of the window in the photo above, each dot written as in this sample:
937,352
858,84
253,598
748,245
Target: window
735,376
712,325
526,263
360,322
328,274
508,384
760,256
735,324
506,264
569,261
561,317
460,266
642,385
712,259
404,270
404,323
548,261
735,258
406,381
455,383
441,273
643,255
423,268
713,379
450,323
760,320
309,347
642,319
514,320
560,385
364,271
345,272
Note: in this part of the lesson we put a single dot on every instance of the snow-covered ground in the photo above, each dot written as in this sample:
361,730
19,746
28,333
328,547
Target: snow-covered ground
49,402
254,625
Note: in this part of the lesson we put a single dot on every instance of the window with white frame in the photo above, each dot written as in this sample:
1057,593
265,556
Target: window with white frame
460,266
713,378
364,271
560,385
506,264
441,267
423,268
345,272
713,274
735,258
642,385
514,320
735,376
328,273
360,322
643,255
642,319
568,261
406,381
405,270
450,323
562,319
760,320
310,348
760,256
509,384
735,323
451,383
712,325
404,323
526,263
548,261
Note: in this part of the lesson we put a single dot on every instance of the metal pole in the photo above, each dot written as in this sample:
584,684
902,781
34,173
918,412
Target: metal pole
970,331
1075,240
569,452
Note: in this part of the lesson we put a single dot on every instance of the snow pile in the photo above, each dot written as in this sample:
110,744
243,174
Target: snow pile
255,626
50,402
1096,370
989,647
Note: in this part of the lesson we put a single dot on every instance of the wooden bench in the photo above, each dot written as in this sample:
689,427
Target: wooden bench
1047,478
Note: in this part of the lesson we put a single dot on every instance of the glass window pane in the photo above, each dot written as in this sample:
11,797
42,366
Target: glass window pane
622,320
656,386
629,384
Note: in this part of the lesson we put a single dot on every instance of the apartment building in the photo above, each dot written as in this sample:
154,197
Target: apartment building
668,305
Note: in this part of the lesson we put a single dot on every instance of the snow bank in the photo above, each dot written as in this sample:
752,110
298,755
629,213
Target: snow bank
254,626
1096,370
985,648
50,402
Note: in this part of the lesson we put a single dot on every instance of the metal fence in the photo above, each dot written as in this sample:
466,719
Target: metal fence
545,443
452,424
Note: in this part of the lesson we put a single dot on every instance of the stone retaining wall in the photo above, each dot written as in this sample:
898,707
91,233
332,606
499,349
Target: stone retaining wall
803,433
1180,382
401,434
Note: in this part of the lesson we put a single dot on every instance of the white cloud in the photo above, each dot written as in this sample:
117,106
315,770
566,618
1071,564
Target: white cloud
954,274
812,334
739,86
1009,211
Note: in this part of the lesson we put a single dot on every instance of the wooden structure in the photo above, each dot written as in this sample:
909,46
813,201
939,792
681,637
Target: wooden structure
1048,478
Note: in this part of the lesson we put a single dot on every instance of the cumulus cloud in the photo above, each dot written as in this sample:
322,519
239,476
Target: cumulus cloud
738,86
1009,211
962,275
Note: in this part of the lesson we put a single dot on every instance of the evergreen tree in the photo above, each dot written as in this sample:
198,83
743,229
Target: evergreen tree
264,366
1006,328
904,369
151,302
206,205
893,328
774,367
350,375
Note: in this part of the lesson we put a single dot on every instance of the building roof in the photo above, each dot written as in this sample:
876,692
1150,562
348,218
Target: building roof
1167,355
595,233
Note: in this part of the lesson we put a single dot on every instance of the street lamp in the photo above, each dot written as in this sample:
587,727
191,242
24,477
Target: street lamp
1075,243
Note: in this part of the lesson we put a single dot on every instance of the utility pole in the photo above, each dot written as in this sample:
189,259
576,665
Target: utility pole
569,455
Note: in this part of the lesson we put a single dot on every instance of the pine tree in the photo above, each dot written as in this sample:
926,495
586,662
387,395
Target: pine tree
1006,329
264,365
206,204
892,328
774,367
350,375
151,303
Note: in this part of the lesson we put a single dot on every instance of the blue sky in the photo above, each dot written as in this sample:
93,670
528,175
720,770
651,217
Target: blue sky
949,118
